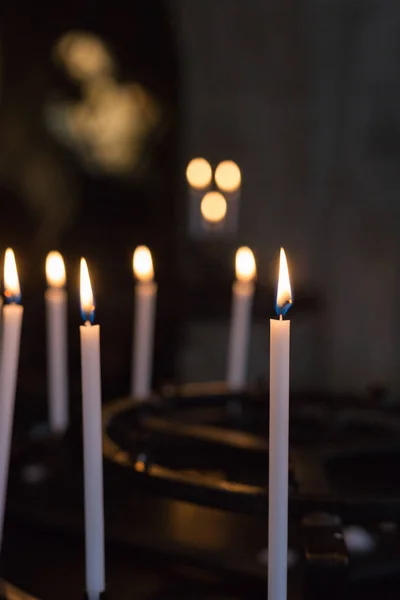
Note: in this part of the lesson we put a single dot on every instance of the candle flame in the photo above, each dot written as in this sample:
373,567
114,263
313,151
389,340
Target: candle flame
245,264
213,207
284,294
143,264
12,290
55,270
227,176
199,173
87,300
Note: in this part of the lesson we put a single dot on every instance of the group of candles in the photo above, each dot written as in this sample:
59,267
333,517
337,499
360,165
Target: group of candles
213,203
145,298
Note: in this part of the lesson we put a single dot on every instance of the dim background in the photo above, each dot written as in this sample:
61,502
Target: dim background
102,105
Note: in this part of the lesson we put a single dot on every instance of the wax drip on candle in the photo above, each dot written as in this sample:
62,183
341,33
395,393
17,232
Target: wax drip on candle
12,292
87,300
284,298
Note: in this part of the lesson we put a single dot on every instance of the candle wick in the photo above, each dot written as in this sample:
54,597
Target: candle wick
87,323
281,317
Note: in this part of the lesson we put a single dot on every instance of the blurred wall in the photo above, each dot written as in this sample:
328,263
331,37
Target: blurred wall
305,97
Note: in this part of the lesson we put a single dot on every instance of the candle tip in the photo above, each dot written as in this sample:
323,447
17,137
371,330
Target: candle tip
87,300
245,264
55,270
143,264
12,290
284,298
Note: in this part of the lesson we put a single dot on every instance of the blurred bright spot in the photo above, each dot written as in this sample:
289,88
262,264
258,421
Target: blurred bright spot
245,264
227,176
213,207
84,55
143,264
55,269
199,173
109,125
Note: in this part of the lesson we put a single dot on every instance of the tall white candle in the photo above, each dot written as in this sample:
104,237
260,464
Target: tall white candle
242,301
10,344
92,442
143,335
279,439
57,357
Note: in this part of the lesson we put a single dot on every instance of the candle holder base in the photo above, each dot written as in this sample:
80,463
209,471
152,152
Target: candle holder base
180,481
10,592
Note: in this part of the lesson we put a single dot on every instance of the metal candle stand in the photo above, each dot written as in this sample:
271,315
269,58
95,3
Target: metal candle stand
164,445
202,445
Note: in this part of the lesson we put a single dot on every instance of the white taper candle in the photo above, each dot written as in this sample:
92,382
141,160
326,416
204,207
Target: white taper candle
92,443
240,327
57,343
143,334
279,441
10,345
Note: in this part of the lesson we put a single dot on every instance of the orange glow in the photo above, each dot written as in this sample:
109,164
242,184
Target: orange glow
284,294
245,264
87,301
55,270
199,173
143,264
227,176
11,281
213,207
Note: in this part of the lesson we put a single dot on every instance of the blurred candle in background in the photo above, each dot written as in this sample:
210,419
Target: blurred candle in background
228,180
92,441
199,174
10,345
57,344
213,210
279,439
199,178
144,318
242,301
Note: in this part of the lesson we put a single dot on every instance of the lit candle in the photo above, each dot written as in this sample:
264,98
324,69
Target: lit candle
57,359
143,336
213,209
279,439
199,177
242,300
11,335
92,442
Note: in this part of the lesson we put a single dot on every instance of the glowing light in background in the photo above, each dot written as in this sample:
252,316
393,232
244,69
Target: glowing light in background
245,264
213,207
108,127
143,264
227,176
199,173
83,55
55,270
